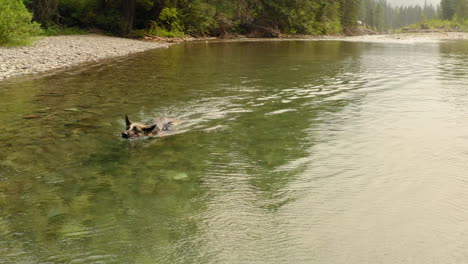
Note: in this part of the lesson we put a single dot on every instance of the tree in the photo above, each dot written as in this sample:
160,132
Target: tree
462,9
129,13
16,27
349,13
448,8
45,11
379,16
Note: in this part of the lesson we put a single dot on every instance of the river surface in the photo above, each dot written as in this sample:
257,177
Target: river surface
288,152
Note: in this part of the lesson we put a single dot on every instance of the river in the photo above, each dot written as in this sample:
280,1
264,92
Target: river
287,152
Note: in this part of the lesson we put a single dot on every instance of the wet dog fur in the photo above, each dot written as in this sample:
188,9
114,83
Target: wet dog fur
153,128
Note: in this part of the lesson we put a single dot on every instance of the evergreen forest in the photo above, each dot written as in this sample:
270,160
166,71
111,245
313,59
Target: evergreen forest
220,18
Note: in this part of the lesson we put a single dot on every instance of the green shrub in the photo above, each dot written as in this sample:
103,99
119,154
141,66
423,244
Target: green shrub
16,27
169,17
199,19
156,30
168,25
168,34
454,24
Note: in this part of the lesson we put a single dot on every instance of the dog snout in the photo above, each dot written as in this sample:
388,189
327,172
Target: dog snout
125,135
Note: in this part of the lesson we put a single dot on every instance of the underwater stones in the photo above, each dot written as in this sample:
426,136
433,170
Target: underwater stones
72,109
32,116
180,176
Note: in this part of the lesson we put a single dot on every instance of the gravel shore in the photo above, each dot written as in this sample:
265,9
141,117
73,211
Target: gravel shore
409,38
65,51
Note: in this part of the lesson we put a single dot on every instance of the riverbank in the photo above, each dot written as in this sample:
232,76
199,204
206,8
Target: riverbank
57,52
413,37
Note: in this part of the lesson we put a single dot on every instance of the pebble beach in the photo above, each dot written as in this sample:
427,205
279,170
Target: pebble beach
58,52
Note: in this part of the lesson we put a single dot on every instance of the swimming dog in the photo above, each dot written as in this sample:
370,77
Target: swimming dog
153,128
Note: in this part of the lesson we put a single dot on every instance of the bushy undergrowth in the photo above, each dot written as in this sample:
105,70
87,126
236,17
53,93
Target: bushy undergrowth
56,30
16,26
157,31
167,25
449,25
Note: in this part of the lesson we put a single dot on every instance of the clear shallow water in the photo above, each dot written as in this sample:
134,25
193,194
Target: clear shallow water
289,152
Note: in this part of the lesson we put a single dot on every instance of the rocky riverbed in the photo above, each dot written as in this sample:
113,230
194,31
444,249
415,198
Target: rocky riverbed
65,51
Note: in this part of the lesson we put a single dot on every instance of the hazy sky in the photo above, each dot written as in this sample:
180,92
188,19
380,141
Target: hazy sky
412,2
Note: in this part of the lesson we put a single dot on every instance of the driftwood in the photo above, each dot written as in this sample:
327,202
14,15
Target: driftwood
410,30
175,40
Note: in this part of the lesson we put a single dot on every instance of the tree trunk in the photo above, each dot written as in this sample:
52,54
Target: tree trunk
45,10
129,11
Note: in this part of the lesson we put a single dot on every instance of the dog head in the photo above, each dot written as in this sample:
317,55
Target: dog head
134,130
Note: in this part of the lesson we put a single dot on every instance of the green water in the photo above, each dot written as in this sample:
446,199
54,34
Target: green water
288,152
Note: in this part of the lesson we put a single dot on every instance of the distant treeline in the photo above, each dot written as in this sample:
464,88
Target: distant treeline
454,9
202,17
222,18
380,16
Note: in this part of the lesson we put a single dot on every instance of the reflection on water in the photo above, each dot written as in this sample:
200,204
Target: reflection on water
289,152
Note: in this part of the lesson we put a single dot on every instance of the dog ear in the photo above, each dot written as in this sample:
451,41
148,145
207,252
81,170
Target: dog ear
149,129
127,122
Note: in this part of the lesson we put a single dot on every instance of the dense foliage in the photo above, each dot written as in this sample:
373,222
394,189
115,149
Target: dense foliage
222,18
16,27
202,17
454,9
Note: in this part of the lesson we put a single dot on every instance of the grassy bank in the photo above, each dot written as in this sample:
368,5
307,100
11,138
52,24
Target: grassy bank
16,26
438,25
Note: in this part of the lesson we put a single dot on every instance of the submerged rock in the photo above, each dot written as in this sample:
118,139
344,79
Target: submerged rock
73,109
180,176
32,116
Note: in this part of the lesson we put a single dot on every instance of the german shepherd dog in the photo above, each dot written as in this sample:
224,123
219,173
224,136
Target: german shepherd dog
152,128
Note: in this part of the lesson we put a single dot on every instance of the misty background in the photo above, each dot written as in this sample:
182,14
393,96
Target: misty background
412,2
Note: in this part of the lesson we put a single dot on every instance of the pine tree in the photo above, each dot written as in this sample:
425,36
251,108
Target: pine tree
448,8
